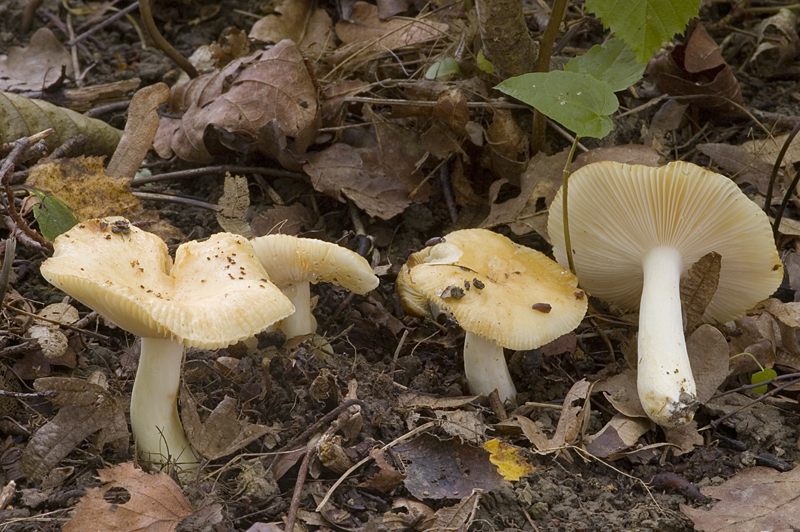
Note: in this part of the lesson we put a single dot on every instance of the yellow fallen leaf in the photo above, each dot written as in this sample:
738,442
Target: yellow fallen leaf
507,459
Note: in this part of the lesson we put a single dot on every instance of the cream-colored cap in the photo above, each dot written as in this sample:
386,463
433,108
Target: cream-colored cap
215,294
494,288
290,259
618,212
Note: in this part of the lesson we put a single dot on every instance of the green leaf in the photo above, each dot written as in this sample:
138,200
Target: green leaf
613,62
644,24
483,63
52,214
761,376
577,101
446,66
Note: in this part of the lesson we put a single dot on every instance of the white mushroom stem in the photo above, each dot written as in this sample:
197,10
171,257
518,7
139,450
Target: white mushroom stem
485,367
302,322
155,422
665,382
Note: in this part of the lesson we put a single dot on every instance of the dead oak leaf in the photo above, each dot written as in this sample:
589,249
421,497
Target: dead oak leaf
156,503
760,498
36,66
240,99
341,172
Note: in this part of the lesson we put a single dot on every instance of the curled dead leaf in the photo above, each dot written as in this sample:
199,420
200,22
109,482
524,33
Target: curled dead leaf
240,99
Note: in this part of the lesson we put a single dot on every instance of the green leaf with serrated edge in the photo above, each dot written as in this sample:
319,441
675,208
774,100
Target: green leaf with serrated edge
613,62
446,66
578,102
483,63
761,376
52,215
644,24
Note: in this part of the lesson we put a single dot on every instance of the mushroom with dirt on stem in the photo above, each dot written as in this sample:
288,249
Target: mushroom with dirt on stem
216,293
293,263
635,230
502,295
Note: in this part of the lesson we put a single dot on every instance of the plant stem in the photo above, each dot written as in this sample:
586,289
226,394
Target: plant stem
161,43
564,204
543,65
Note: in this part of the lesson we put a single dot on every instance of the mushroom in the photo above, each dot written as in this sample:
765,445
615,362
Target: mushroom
293,263
502,295
635,230
215,294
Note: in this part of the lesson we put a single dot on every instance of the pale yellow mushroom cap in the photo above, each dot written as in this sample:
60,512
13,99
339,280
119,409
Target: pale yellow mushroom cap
618,212
290,259
216,293
494,288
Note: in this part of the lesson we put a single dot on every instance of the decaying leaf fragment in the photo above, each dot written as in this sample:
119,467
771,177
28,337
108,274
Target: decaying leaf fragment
23,117
698,288
759,498
234,203
84,408
83,185
234,103
778,43
156,503
619,434
299,20
37,66
447,470
222,433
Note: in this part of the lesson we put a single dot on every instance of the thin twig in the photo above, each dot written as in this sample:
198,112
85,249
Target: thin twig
161,43
221,170
97,27
294,506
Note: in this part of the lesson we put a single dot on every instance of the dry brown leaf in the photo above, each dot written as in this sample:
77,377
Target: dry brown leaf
451,109
299,21
454,517
366,27
778,43
387,478
528,211
447,469
463,424
683,438
140,129
340,172
37,66
285,219
571,425
624,153
757,335
767,150
405,514
222,433
23,117
709,358
743,165
234,204
389,8
412,400
622,393
238,101
618,435
156,503
697,69
698,287
84,409
759,498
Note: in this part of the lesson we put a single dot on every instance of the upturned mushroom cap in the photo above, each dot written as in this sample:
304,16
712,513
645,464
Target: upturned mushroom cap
619,212
216,293
494,288
290,259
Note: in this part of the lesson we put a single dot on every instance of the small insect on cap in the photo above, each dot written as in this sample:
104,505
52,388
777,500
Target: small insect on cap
494,288
215,294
